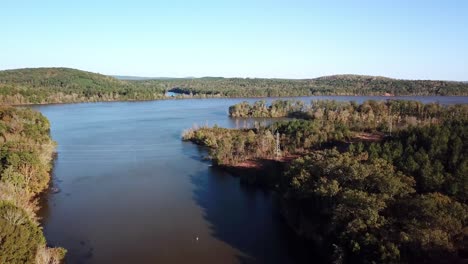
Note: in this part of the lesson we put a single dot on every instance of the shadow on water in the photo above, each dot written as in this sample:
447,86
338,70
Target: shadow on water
248,220
201,154
83,250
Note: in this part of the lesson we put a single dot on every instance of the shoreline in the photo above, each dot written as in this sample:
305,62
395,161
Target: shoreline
27,199
392,97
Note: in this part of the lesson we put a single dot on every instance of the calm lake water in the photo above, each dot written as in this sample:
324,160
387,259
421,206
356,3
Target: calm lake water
132,192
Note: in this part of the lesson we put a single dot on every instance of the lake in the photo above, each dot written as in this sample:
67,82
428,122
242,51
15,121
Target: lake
132,192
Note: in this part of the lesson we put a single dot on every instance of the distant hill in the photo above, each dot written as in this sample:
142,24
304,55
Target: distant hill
352,77
132,78
65,85
327,85
138,78
56,77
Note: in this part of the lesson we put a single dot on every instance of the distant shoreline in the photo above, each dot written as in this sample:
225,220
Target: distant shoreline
397,97
64,85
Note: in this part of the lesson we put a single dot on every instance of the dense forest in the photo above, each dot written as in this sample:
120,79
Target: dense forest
377,182
330,85
25,163
63,85
370,115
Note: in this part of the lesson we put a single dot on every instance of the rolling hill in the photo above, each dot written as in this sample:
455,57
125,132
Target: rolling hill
65,85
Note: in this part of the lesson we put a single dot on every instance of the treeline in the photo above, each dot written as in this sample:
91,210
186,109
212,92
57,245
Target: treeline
398,197
278,108
435,155
63,85
330,85
399,200
371,115
321,122
25,163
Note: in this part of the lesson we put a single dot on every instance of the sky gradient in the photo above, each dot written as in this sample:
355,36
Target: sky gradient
274,39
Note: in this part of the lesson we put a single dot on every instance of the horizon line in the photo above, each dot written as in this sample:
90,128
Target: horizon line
231,77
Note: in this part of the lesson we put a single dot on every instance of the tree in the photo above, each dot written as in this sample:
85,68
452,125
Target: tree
19,237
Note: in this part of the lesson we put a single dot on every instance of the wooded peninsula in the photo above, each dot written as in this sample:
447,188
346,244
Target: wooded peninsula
64,85
377,182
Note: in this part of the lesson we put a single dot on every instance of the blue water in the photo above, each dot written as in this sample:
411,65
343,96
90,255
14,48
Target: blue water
132,192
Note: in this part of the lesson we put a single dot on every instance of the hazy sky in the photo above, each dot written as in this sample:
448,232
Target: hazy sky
295,39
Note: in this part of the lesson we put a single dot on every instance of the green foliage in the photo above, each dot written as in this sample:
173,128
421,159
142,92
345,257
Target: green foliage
371,210
351,195
278,108
436,156
63,85
385,116
231,146
298,135
19,236
386,199
432,226
25,155
327,123
330,85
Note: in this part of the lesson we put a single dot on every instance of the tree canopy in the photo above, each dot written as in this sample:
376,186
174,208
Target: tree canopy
377,182
64,85
25,162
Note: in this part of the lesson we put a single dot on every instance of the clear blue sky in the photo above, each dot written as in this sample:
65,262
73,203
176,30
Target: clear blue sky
409,39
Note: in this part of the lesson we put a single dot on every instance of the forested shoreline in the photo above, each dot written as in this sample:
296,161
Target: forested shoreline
26,151
374,182
63,85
